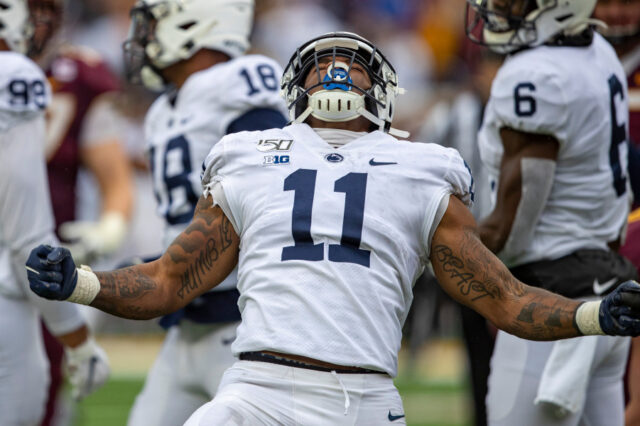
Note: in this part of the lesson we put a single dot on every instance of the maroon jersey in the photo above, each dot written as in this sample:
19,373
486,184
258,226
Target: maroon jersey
78,77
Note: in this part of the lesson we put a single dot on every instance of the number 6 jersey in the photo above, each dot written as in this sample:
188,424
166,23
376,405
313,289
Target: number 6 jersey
578,95
332,240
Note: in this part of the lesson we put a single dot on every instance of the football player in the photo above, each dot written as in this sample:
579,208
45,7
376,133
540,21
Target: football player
26,218
623,32
80,133
554,139
193,50
330,221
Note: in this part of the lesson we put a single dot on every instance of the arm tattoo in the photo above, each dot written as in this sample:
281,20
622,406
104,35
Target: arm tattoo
197,240
479,276
187,269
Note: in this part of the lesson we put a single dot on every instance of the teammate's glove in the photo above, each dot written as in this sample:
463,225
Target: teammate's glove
53,275
87,368
89,240
619,312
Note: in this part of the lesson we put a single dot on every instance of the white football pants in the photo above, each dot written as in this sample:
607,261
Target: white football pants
186,373
261,393
24,369
517,366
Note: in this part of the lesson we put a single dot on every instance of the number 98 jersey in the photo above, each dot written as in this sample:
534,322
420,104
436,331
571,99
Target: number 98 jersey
332,240
181,128
578,95
24,91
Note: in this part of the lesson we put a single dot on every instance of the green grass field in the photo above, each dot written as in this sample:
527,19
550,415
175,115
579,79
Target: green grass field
425,404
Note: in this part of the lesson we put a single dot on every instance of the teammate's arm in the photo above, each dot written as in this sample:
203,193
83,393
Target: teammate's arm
517,169
197,260
473,276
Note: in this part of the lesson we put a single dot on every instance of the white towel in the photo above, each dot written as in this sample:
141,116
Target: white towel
564,381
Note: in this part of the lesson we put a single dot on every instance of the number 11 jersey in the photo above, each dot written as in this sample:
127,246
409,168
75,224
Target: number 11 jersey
332,240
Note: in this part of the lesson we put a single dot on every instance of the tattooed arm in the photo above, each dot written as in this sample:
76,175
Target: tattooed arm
197,260
472,275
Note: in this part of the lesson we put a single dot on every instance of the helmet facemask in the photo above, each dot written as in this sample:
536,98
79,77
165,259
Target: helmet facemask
339,98
47,18
139,67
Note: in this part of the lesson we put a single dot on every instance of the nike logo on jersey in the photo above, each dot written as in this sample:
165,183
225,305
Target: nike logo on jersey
373,162
393,418
228,341
599,289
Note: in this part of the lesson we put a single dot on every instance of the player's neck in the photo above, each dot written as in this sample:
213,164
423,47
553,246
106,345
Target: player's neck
179,72
360,124
3,45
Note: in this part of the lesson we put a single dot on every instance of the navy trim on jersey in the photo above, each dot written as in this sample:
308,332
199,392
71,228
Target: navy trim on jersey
210,308
634,171
258,119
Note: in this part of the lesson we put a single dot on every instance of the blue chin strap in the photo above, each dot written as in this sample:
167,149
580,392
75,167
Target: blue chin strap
334,77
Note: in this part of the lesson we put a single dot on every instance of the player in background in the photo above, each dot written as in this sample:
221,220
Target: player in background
26,218
193,50
554,140
81,132
336,219
623,32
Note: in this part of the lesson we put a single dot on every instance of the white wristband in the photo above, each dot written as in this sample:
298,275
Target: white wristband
87,287
587,318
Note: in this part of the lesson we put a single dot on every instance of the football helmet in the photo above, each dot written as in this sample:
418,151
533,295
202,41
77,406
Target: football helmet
164,32
509,25
16,28
339,98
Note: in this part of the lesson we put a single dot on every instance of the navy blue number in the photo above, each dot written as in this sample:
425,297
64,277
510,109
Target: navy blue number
267,75
23,92
525,104
354,185
174,182
618,136
303,182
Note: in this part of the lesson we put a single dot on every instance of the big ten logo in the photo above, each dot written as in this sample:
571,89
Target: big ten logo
267,145
276,160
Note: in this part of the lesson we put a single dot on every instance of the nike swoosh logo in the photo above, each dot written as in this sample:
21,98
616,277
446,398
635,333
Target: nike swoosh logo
373,162
228,341
601,288
393,418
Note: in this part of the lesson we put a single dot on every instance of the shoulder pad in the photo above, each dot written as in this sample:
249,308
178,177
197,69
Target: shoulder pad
24,90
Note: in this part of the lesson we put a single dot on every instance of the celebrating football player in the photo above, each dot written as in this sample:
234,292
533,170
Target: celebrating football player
330,221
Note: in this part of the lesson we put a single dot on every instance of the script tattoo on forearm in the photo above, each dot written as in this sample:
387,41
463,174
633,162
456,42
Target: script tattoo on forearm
197,239
541,315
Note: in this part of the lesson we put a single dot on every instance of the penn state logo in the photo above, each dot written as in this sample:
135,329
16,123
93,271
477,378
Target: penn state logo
334,158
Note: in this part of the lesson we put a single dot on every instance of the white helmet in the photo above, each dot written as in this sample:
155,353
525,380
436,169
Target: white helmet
338,101
509,25
164,32
15,25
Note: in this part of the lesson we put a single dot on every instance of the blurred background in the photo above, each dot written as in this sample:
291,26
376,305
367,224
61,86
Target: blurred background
447,80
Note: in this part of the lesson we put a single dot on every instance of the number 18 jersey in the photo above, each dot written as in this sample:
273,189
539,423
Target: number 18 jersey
332,240
181,128
578,95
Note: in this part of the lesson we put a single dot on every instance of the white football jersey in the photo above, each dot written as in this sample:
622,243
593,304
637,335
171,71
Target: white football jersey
579,96
26,219
180,130
332,240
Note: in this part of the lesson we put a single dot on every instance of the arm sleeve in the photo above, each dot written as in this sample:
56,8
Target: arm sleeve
25,216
